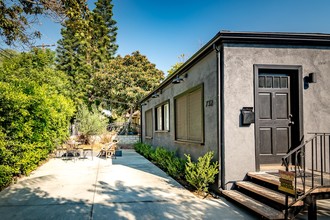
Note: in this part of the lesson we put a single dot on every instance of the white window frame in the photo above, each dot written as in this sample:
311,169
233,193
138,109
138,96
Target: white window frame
162,112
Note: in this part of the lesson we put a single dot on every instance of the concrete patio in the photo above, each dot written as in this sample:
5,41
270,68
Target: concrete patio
129,187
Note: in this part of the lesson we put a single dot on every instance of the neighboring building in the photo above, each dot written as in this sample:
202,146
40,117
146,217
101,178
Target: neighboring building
135,117
249,97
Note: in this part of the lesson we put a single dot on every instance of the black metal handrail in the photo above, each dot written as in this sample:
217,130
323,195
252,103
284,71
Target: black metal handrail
309,162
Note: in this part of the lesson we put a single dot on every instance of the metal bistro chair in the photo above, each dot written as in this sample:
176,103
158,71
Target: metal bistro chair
71,150
109,150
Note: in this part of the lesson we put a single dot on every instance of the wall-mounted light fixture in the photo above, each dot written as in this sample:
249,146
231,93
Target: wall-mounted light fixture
155,95
312,78
179,79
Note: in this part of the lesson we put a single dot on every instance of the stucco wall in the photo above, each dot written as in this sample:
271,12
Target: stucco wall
239,92
203,72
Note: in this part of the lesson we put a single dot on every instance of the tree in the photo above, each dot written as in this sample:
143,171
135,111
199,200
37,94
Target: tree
88,41
177,65
104,33
90,122
17,16
125,80
34,111
74,49
174,68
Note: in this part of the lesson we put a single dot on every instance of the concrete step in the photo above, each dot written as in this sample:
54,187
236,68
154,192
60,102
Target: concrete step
266,193
254,205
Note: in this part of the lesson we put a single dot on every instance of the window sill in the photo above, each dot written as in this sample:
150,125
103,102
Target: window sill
162,131
188,142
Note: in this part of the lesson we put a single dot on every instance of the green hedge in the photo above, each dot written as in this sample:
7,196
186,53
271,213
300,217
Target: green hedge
198,174
34,112
166,160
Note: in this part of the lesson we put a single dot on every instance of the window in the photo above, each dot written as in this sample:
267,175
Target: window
270,81
162,118
148,125
189,116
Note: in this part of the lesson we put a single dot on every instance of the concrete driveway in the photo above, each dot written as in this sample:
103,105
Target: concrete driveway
129,187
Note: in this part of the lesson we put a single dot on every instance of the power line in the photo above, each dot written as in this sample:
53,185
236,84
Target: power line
43,46
6,54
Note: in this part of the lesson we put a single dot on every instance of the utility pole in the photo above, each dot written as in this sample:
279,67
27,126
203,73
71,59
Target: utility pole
43,46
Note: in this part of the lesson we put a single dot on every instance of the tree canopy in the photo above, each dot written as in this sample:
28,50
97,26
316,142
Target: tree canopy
177,65
17,16
125,80
88,41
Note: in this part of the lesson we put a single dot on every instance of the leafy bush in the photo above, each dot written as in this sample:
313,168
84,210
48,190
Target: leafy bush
166,160
90,122
176,166
199,174
169,162
6,176
144,149
161,157
202,173
34,111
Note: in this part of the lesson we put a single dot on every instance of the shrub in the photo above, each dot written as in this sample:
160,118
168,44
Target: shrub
161,157
6,176
169,162
176,166
202,173
34,112
199,174
144,149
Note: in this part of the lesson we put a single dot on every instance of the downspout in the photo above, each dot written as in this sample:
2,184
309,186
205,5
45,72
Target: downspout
222,116
220,138
219,116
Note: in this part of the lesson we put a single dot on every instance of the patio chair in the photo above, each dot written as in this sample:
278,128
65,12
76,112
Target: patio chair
85,151
71,150
109,150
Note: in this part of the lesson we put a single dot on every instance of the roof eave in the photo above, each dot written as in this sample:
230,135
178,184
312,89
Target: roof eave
316,39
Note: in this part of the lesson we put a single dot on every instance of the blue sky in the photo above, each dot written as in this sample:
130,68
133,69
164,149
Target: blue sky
164,29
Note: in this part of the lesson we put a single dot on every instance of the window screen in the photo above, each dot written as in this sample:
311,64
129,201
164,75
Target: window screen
166,117
148,126
159,118
189,116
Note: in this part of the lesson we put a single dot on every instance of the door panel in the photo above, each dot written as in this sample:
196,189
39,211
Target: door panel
266,141
281,105
282,140
265,107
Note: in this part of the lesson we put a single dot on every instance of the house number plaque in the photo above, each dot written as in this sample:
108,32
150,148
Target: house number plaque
209,103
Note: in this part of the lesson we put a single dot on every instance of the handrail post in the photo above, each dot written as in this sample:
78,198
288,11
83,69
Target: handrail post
295,176
312,161
329,153
303,161
321,152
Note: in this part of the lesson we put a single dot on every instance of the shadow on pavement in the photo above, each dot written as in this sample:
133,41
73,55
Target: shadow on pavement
23,202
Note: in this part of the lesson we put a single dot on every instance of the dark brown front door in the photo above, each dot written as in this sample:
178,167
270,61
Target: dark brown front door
274,116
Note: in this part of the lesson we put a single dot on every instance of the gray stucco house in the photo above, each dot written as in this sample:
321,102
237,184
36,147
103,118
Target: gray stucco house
249,97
